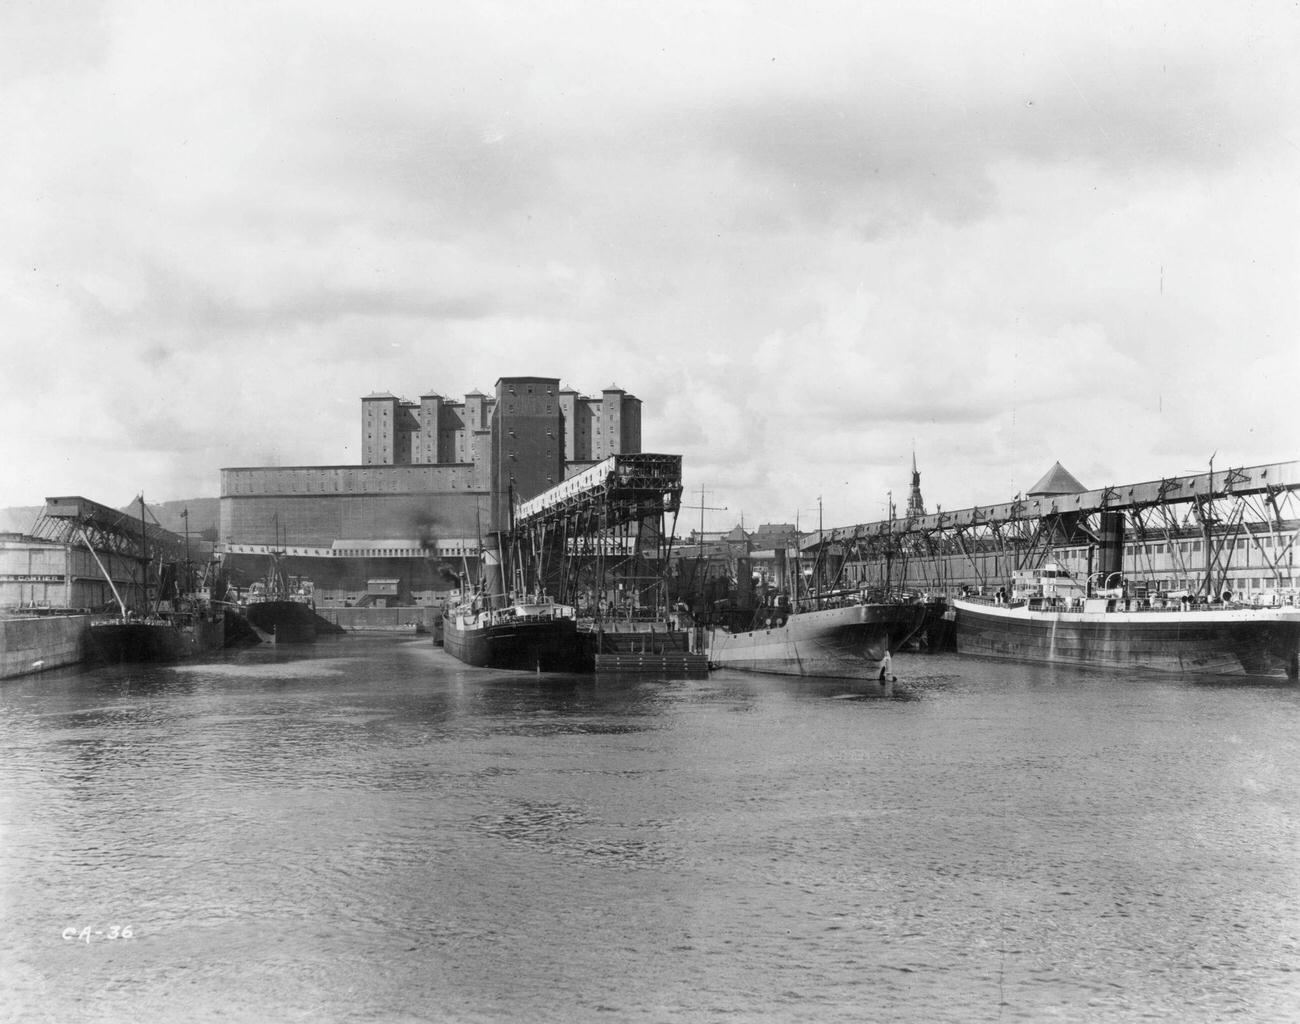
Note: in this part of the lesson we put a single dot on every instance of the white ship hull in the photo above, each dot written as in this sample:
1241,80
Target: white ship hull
1216,640
851,642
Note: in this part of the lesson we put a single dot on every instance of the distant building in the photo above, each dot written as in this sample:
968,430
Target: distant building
435,476
437,430
735,554
774,536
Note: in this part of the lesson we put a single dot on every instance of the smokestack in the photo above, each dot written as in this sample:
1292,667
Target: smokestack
493,576
1112,544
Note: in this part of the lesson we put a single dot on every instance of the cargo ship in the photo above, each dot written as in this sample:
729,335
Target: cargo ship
1049,616
128,638
281,607
497,631
186,624
183,627
282,620
840,635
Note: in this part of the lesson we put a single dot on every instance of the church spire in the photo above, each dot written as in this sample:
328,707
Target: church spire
915,503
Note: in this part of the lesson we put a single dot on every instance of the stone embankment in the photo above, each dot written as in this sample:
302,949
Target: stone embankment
396,621
41,642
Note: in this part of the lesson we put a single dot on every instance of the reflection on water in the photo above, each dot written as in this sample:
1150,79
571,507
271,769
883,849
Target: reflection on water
369,830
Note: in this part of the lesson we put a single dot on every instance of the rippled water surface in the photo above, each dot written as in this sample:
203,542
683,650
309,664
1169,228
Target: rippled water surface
369,831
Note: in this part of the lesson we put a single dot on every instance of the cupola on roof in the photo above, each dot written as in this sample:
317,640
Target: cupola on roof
1057,480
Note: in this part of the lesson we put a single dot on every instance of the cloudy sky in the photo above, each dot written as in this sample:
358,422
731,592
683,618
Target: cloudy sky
812,238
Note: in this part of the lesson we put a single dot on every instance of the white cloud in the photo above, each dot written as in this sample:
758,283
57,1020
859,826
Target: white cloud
1003,235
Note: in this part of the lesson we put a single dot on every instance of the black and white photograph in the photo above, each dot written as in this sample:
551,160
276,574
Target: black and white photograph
581,513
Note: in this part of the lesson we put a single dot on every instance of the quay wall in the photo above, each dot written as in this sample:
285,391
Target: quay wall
41,642
406,620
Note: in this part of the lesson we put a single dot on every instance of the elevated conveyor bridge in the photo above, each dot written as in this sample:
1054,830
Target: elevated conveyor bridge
1203,531
119,544
601,539
77,520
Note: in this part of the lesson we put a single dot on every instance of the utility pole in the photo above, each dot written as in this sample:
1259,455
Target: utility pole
705,508
699,558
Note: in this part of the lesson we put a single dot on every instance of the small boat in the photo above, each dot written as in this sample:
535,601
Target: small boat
839,635
1050,616
500,631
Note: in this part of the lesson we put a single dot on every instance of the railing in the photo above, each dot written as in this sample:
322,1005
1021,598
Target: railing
1129,604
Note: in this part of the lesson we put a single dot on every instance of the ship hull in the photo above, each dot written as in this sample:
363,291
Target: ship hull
547,645
283,622
1230,641
850,642
119,641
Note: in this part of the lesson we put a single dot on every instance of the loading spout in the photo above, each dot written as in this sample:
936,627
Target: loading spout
93,554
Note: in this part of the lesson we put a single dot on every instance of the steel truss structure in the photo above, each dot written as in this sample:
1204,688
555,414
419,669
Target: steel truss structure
602,539
104,550
1200,527
77,520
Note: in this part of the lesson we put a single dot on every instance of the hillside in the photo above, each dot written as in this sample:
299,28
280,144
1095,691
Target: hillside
203,516
19,518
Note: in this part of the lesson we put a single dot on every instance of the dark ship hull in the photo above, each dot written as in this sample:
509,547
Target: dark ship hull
283,622
120,641
543,645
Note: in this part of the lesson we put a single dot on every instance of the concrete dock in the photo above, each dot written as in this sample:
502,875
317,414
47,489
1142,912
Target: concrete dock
39,642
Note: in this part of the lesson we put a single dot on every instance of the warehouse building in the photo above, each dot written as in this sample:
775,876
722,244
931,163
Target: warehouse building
436,475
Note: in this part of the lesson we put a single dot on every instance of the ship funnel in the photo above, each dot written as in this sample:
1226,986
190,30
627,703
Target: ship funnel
1112,544
493,577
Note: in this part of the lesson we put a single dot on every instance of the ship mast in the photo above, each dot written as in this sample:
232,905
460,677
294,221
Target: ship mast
699,552
889,545
189,582
796,574
144,556
820,562
1207,526
482,565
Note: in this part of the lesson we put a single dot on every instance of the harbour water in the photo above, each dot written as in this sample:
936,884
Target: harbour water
370,831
